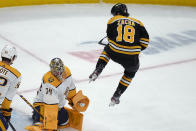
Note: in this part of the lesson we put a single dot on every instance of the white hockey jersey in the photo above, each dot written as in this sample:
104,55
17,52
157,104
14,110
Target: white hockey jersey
53,91
10,79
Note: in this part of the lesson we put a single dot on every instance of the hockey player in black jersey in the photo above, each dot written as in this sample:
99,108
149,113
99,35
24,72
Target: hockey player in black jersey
127,37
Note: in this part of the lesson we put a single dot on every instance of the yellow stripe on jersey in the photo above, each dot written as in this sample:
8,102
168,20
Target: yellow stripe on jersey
2,127
104,53
67,71
144,45
124,52
118,17
125,47
144,39
11,69
6,103
50,78
137,21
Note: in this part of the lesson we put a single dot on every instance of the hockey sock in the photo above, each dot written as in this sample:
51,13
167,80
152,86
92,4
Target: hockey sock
102,62
123,84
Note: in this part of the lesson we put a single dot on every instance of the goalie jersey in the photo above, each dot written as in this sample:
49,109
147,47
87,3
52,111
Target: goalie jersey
126,36
53,91
10,79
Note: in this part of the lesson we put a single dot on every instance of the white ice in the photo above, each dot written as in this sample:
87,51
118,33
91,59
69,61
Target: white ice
162,96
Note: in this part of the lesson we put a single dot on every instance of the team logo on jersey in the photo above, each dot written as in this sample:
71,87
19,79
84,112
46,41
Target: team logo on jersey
50,80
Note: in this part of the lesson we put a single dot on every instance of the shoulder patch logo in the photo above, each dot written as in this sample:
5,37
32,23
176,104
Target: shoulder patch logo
50,79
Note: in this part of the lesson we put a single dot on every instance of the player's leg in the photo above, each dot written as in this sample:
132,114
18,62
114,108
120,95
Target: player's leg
129,73
63,117
3,123
49,120
122,86
101,63
75,119
37,120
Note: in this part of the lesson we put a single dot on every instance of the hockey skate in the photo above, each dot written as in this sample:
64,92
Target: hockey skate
96,72
94,76
114,100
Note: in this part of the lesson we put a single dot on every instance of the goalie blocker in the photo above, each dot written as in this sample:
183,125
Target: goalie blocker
53,117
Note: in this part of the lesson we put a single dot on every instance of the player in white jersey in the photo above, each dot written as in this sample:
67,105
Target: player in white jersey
10,79
57,86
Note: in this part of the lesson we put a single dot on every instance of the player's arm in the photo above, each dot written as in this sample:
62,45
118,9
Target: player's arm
38,100
77,100
144,37
6,110
110,31
71,91
47,92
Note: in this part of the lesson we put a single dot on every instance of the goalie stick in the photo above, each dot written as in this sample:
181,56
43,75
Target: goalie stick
31,105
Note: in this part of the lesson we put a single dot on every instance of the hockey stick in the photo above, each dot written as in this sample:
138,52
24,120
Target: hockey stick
13,128
31,105
101,41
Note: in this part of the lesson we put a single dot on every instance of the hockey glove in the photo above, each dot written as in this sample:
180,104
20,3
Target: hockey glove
7,113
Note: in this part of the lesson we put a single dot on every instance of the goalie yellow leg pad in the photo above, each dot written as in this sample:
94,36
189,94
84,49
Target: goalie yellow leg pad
41,109
50,117
75,119
33,128
64,126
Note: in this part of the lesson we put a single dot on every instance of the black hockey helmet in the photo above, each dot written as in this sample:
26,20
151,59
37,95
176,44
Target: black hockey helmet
120,9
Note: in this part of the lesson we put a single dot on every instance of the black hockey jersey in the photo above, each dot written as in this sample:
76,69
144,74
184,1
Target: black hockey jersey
126,35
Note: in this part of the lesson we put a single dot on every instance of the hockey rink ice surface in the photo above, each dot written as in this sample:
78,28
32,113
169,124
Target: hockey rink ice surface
162,96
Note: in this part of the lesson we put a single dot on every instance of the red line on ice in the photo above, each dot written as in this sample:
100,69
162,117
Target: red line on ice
25,50
101,77
141,69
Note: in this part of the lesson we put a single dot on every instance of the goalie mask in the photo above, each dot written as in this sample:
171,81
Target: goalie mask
57,67
119,9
